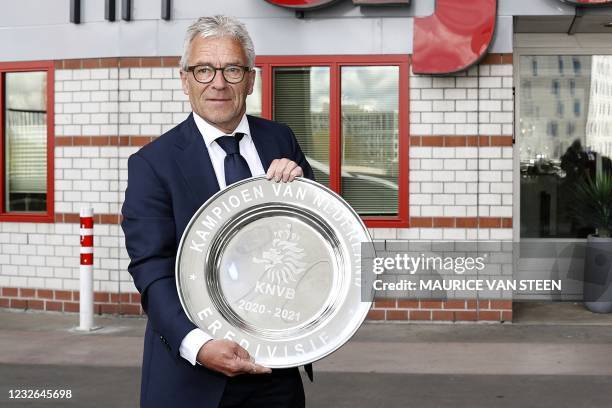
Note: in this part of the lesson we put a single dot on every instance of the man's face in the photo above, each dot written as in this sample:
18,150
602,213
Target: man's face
219,103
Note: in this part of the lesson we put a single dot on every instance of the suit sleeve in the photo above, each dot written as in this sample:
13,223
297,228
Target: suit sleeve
299,157
150,240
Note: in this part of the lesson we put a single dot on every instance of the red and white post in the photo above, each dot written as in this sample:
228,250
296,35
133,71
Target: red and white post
86,271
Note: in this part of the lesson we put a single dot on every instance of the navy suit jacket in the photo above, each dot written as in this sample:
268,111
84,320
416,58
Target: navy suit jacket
168,180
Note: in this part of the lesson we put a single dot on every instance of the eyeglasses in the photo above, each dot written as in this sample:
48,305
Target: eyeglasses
205,74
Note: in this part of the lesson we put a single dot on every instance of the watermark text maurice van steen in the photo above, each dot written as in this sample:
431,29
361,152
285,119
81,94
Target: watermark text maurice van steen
408,264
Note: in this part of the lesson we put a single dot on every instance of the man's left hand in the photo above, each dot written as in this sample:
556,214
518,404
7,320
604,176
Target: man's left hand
284,170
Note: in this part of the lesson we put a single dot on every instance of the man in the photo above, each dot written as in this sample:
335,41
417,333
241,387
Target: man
168,180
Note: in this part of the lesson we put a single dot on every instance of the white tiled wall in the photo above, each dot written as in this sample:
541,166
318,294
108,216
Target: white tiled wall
444,181
450,105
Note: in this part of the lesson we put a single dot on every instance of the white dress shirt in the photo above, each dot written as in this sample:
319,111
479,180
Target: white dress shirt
217,154
195,339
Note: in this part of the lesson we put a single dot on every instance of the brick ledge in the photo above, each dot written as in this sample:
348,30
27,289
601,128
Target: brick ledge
173,62
415,141
415,222
490,310
461,141
53,300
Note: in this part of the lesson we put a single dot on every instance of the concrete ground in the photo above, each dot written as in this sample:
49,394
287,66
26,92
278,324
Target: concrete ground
384,365
558,313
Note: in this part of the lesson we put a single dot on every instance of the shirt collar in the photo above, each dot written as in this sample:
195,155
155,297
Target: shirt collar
211,133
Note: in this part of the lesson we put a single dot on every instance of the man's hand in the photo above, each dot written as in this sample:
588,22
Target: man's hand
284,169
227,357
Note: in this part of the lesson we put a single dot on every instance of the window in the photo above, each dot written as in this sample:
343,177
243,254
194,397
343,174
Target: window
254,100
577,66
566,144
553,127
301,100
350,116
571,128
526,85
370,148
577,109
534,67
26,143
555,87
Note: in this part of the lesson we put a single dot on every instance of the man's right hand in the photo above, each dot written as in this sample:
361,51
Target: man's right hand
227,357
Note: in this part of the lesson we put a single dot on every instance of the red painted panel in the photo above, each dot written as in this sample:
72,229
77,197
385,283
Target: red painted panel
335,129
87,222
86,259
301,4
2,152
455,37
86,240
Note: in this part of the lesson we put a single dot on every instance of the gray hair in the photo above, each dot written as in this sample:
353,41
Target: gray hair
218,26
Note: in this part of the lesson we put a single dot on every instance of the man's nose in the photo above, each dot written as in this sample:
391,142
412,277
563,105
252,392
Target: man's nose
219,81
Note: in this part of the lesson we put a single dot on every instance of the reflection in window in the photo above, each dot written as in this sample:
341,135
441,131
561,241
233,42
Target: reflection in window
254,100
555,87
560,109
577,66
369,109
301,100
526,86
25,142
571,128
553,128
599,124
577,108
561,147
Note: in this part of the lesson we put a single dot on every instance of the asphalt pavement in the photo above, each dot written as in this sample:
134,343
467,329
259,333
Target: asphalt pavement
384,365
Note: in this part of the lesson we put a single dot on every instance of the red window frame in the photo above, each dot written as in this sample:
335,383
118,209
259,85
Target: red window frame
335,63
47,66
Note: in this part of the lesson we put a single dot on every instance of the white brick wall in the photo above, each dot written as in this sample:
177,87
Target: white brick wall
88,101
459,96
426,234
476,181
450,170
47,256
444,181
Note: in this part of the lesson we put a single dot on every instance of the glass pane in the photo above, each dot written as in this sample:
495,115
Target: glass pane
370,107
565,139
301,100
25,116
254,100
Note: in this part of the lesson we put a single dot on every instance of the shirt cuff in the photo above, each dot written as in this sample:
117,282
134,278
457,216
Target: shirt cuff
192,343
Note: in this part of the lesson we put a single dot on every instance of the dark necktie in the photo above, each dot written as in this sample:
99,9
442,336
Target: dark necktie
235,166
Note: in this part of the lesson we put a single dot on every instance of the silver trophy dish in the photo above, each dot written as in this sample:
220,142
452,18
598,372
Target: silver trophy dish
275,267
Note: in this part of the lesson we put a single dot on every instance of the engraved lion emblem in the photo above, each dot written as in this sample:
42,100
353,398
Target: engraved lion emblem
282,260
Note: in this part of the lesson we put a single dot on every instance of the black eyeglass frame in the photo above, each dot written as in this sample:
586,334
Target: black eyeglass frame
245,70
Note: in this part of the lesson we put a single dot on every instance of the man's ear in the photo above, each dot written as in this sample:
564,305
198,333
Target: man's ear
184,83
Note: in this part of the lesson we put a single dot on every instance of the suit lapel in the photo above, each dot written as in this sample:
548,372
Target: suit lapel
267,151
192,158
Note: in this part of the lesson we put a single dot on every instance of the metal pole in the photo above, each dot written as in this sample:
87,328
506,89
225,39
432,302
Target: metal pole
86,270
